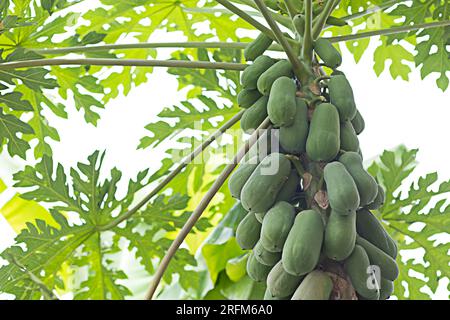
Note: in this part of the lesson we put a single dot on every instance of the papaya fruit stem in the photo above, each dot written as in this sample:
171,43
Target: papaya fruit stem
321,78
342,287
297,164
188,159
320,183
307,36
203,204
316,101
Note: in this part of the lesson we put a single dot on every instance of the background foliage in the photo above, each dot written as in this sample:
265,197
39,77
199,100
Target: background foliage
67,240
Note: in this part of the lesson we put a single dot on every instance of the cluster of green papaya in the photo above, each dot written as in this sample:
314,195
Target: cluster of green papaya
292,235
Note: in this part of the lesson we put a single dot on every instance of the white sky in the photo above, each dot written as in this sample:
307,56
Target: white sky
414,113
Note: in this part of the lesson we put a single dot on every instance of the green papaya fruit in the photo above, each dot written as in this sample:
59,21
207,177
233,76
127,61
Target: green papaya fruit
248,231
293,138
323,140
328,53
257,271
371,229
282,103
358,122
342,191
301,251
281,283
250,75
386,288
282,68
255,115
289,189
246,98
276,226
260,216
240,176
340,236
269,296
387,265
366,184
349,139
360,153
317,285
356,266
257,47
264,256
393,249
299,24
341,96
261,189
378,201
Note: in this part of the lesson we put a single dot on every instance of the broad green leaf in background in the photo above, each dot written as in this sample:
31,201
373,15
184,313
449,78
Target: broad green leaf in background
418,217
244,289
217,256
47,248
71,79
93,199
430,60
431,53
14,101
10,127
24,99
398,56
219,251
236,268
102,280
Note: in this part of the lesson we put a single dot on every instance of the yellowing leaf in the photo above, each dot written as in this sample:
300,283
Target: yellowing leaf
217,256
2,186
18,212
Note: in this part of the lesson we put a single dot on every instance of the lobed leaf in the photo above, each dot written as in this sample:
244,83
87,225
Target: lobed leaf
422,204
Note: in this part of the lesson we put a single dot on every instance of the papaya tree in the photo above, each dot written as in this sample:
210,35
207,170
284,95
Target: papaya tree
293,212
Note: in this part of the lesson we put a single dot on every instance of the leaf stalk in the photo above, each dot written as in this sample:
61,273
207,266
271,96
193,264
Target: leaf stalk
125,63
386,32
201,208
